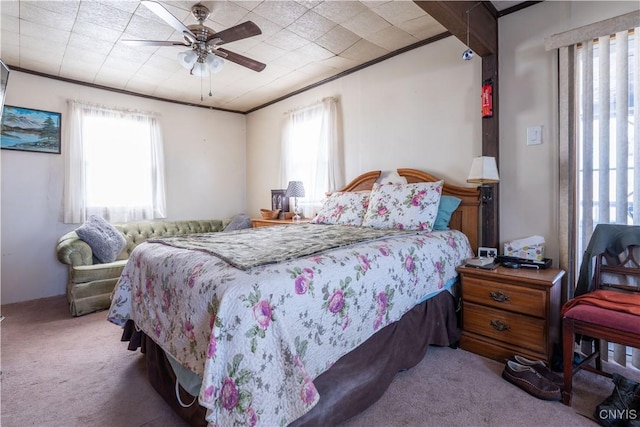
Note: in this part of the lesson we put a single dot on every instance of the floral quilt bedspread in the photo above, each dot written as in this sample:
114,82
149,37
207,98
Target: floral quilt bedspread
259,337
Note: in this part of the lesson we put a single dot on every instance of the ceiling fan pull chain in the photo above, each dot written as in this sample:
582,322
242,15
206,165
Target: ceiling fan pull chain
210,94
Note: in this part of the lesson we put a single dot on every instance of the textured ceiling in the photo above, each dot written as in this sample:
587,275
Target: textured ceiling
302,42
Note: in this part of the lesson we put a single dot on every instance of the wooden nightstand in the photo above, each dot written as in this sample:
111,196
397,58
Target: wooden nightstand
258,222
510,311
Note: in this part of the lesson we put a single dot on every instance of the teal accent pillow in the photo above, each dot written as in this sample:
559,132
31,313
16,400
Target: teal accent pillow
448,204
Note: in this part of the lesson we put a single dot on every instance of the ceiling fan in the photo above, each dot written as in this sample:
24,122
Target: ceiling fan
204,42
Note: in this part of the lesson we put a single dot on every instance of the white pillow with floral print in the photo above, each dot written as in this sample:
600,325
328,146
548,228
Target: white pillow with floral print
343,208
404,206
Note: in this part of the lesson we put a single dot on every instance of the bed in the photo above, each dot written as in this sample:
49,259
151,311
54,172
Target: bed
293,340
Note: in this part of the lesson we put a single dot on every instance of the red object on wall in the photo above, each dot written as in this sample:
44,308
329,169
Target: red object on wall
487,99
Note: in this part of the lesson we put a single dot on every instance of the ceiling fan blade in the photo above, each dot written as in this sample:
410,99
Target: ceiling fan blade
163,13
241,60
154,43
238,32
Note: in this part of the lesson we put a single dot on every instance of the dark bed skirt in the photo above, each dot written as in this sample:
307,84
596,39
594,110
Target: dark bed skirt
353,383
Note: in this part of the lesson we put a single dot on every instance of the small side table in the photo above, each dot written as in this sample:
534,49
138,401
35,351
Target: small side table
510,311
259,222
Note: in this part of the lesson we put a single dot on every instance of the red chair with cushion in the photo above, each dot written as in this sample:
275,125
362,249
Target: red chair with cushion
611,312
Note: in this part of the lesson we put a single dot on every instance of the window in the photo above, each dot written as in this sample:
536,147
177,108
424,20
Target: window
115,166
607,146
599,85
607,149
311,152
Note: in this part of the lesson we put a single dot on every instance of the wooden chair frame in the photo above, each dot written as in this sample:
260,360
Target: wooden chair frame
605,264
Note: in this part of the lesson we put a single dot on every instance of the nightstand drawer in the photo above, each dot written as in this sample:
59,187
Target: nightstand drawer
516,329
269,222
505,297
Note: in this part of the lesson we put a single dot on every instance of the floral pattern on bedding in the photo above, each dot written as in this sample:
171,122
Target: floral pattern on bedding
404,206
347,208
259,337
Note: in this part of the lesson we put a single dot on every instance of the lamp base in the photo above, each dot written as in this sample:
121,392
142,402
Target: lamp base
297,216
486,194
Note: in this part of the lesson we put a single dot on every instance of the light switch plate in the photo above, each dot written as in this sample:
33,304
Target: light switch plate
534,135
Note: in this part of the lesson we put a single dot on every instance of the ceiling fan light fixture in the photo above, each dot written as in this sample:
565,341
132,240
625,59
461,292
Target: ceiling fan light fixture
215,63
187,59
200,69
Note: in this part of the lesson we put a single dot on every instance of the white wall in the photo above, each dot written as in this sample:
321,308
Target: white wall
420,109
528,97
205,176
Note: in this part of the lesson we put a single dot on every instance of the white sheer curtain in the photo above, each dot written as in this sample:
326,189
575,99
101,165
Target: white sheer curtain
312,152
114,165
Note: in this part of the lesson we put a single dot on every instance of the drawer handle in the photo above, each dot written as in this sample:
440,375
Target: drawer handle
499,296
499,325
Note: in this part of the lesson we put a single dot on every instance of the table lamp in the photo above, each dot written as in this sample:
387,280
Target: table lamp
484,171
295,189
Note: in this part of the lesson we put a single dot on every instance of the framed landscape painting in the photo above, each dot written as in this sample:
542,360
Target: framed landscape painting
26,129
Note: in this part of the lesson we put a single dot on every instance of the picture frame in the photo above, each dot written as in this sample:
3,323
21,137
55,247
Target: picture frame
27,129
279,200
4,81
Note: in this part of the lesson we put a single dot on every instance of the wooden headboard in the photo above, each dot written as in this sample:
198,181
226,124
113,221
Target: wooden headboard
465,218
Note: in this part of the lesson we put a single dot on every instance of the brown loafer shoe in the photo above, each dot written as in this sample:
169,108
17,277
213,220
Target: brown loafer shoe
541,368
531,381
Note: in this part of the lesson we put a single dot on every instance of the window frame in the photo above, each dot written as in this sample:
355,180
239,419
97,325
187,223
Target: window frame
77,204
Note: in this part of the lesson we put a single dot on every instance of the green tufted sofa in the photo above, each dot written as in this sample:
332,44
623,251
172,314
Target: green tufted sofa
91,283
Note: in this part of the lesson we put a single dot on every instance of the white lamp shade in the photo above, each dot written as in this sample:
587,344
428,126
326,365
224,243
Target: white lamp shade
295,189
215,63
484,171
187,59
200,69
200,66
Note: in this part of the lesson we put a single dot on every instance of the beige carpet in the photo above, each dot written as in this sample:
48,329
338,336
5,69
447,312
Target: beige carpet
64,371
